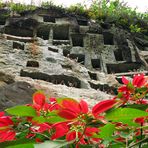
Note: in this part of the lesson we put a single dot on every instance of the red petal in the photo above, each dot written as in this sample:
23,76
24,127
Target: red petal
124,80
90,131
71,136
83,107
139,120
60,130
138,80
7,136
71,105
102,106
43,127
2,114
67,114
39,98
52,100
5,121
123,89
54,107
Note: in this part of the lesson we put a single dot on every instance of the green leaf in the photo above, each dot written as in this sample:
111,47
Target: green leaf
120,94
52,144
39,119
130,85
55,119
60,100
125,115
86,146
117,145
22,111
28,145
138,106
141,89
19,142
106,132
53,113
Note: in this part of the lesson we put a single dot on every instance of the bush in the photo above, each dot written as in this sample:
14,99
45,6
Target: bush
65,122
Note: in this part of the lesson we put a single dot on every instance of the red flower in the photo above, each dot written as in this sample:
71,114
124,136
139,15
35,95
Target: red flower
120,139
138,80
71,109
140,120
6,129
5,122
88,133
143,101
103,106
39,102
7,135
60,130
39,98
40,128
124,80
2,114
73,135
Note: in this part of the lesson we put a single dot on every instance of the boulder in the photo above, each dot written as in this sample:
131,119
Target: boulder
17,93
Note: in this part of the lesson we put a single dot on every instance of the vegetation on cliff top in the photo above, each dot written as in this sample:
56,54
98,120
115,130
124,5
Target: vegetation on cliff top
116,12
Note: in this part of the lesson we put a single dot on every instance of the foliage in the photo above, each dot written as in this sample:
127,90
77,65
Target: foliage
21,7
78,9
65,122
119,13
51,5
135,28
115,11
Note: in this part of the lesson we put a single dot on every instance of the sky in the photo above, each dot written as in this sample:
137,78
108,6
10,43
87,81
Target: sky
142,5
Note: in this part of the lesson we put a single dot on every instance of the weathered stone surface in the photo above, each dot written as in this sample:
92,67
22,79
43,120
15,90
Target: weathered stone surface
65,56
17,93
141,41
51,90
8,79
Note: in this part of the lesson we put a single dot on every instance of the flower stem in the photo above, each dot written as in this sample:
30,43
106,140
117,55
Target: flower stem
145,139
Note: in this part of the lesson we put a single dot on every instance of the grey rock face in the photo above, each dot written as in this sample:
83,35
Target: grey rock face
17,93
65,56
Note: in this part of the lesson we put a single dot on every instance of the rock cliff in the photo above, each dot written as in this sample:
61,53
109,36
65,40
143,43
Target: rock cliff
65,55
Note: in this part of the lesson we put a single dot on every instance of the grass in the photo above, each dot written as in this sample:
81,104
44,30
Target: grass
116,12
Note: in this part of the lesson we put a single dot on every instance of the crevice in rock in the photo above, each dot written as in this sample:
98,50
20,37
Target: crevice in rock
18,45
49,19
77,40
92,75
66,52
82,22
2,22
32,64
18,31
52,49
96,63
122,67
66,66
118,55
42,33
119,79
80,58
103,87
61,42
108,38
61,32
69,81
